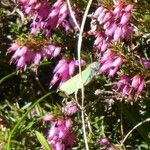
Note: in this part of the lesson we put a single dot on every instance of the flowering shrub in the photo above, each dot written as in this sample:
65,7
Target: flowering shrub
97,52
25,52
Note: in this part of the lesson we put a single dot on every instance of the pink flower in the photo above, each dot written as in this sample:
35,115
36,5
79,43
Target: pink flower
130,86
64,70
100,43
49,18
107,17
117,33
60,136
129,7
70,109
114,20
25,55
125,18
30,5
98,11
145,63
111,29
103,141
138,83
47,118
59,146
110,63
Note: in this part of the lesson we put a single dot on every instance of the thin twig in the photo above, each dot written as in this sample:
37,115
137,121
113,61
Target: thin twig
79,59
146,120
121,121
72,15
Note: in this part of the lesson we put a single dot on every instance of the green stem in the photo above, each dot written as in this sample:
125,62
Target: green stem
139,124
22,119
7,77
79,46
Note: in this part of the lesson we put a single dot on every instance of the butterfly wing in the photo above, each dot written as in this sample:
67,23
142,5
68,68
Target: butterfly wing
73,84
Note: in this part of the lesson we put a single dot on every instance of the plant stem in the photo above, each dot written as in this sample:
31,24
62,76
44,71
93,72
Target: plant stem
79,59
22,119
146,120
72,15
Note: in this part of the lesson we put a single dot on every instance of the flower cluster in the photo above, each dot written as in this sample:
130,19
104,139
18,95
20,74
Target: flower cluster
30,5
104,143
116,21
60,136
101,42
64,70
115,26
70,109
130,86
26,54
110,63
47,18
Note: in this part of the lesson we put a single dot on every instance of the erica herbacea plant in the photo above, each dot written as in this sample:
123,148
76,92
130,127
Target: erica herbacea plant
74,74
48,17
32,51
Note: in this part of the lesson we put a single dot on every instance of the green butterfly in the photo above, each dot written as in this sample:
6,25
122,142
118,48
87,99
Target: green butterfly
74,84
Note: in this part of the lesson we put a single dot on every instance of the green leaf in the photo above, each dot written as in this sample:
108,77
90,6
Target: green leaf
43,141
11,133
74,84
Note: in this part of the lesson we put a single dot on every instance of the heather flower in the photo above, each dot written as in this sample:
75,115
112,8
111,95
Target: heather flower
130,86
31,5
49,18
64,70
100,43
110,63
123,85
111,148
138,83
145,63
28,54
116,21
104,143
47,118
60,135
70,109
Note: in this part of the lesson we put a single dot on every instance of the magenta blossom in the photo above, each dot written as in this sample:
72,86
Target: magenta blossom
116,21
130,86
145,63
110,63
100,43
104,143
49,18
60,136
46,17
70,109
31,5
24,55
64,70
